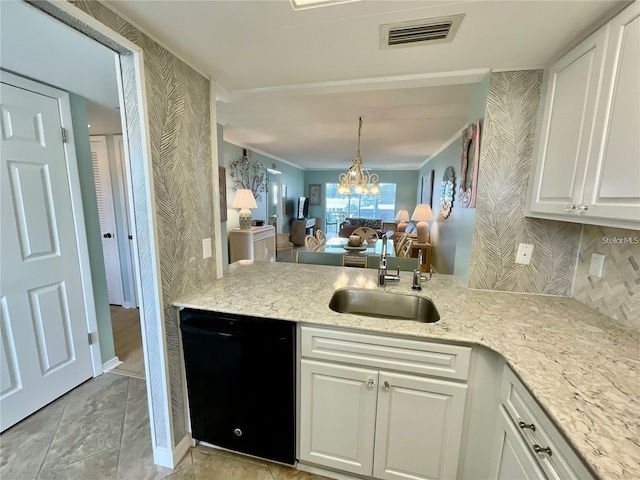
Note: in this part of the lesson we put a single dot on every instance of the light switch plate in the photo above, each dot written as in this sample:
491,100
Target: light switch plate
206,248
525,251
597,264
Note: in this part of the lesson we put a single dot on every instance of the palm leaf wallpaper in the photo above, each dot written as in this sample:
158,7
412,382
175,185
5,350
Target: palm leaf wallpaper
180,132
500,225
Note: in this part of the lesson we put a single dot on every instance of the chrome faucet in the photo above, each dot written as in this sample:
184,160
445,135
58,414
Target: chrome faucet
382,268
418,278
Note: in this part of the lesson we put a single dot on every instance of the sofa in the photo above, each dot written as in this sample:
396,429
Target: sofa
351,224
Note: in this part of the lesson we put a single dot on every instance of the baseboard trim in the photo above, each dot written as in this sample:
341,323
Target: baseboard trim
111,364
129,305
166,458
181,449
162,456
325,472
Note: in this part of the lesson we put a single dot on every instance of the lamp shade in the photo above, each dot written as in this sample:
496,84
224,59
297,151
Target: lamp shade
244,199
422,214
402,216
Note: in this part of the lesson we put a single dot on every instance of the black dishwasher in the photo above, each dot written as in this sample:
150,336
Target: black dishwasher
241,382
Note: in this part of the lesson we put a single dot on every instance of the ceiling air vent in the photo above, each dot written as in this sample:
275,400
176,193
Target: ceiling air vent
419,32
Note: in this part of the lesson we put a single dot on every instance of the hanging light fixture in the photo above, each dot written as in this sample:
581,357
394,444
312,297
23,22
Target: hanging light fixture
358,178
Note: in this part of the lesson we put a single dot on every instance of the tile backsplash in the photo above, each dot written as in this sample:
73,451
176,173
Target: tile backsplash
617,293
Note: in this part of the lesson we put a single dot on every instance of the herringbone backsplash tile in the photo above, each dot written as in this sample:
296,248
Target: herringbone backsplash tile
617,293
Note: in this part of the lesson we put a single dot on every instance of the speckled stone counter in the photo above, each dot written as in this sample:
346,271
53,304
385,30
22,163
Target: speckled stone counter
582,366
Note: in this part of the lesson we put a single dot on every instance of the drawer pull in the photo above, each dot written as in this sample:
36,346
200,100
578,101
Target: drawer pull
582,208
530,426
385,385
371,383
569,208
539,449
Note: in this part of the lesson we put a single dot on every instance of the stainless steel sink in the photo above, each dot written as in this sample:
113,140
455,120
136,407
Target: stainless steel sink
374,303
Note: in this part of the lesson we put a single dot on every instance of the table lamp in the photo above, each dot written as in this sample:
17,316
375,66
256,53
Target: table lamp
244,200
422,214
402,217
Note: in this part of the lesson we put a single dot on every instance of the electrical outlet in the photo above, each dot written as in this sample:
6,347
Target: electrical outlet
596,265
206,248
525,251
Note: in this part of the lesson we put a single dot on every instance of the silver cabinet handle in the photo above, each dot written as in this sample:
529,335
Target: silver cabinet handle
582,208
371,383
238,432
530,426
569,207
539,449
385,385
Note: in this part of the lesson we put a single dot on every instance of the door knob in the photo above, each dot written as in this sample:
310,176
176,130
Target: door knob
107,235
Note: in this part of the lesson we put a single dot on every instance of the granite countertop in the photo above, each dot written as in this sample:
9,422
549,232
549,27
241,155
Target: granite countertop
582,366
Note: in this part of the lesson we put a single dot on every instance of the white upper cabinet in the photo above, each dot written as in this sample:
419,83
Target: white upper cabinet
588,163
613,188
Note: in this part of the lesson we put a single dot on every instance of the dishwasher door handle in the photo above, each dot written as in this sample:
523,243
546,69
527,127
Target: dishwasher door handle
244,333
202,331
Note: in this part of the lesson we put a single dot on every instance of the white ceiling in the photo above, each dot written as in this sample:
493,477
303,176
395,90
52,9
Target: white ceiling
294,82
35,46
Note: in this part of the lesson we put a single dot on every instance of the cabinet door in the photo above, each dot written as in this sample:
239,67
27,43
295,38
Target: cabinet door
418,427
511,457
567,127
337,416
259,250
614,167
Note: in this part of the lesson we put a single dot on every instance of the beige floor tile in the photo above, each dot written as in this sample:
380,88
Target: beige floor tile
223,467
24,446
104,396
136,418
185,474
233,455
101,466
136,461
79,437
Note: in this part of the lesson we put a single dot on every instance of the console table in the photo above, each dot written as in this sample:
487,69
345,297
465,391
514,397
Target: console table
256,243
301,228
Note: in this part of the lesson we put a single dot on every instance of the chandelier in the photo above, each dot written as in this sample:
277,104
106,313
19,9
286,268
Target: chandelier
358,178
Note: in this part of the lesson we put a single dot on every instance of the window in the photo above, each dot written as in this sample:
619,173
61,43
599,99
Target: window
339,207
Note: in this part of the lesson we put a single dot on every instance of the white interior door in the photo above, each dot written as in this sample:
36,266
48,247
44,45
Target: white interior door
107,217
44,350
128,218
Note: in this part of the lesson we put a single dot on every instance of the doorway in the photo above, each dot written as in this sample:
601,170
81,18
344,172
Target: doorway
132,101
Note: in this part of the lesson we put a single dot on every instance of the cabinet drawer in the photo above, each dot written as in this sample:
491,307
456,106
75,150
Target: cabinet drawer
263,235
538,429
411,356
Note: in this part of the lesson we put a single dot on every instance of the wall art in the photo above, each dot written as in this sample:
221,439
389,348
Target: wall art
469,167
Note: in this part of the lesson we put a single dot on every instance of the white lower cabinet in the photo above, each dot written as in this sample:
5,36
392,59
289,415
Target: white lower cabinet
527,444
338,416
513,461
374,422
418,427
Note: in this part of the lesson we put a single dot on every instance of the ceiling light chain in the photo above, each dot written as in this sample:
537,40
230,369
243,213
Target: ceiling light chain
358,178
